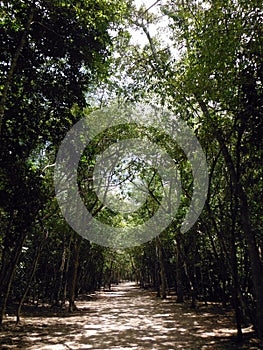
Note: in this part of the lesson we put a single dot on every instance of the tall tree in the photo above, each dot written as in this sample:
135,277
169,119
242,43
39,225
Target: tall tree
52,51
215,84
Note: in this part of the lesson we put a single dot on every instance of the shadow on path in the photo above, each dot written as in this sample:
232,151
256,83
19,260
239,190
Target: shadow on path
127,318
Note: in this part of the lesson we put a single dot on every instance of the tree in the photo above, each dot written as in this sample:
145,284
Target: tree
215,84
51,52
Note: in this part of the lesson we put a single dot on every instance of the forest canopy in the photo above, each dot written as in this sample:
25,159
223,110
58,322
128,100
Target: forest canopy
61,61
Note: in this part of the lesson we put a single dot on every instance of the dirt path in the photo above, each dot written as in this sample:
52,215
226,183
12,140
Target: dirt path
126,318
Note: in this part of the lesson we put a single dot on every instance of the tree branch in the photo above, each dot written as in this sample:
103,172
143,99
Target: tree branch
13,67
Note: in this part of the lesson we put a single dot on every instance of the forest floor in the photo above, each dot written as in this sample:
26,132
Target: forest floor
126,318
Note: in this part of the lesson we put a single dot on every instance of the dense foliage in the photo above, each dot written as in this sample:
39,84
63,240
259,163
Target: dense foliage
52,53
54,56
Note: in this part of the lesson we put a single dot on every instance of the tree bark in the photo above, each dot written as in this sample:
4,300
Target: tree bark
255,262
32,273
179,274
157,274
8,269
162,269
72,283
59,279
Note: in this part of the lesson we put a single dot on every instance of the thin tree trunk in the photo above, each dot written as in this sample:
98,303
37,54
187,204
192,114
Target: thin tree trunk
256,264
32,273
162,269
9,275
179,275
72,283
157,274
65,275
59,279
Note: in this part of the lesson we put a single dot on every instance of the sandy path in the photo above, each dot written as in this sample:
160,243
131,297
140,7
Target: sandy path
126,318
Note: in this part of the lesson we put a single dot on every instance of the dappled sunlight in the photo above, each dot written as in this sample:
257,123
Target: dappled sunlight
126,318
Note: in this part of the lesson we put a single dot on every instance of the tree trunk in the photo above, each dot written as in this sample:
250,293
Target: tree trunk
256,265
72,283
255,262
162,269
157,274
59,279
32,273
179,275
7,274
66,275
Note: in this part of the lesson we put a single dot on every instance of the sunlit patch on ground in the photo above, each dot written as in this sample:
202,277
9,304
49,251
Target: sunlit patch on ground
127,318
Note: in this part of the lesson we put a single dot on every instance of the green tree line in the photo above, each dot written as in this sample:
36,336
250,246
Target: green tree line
57,65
